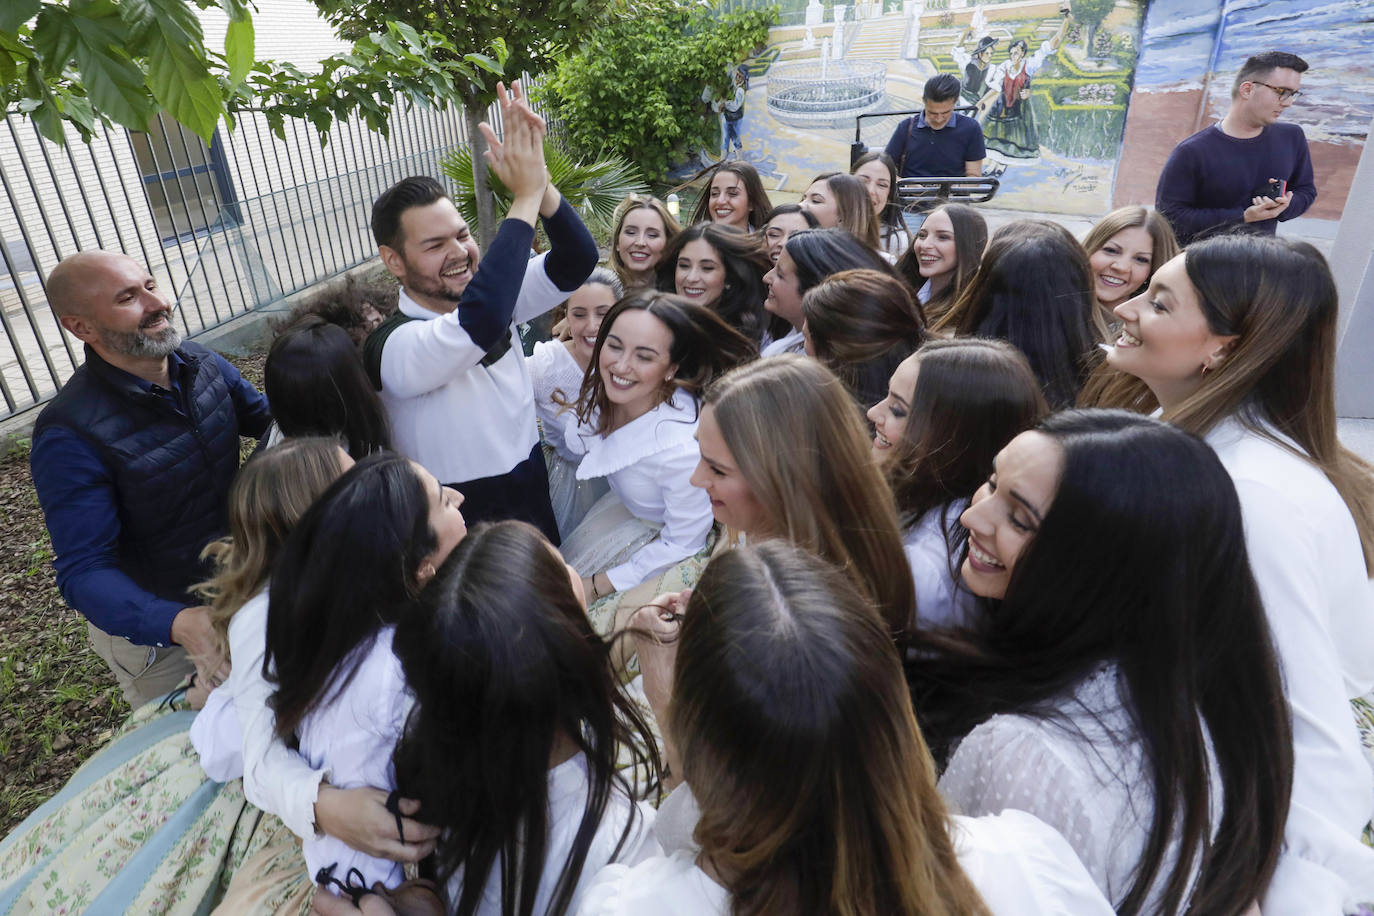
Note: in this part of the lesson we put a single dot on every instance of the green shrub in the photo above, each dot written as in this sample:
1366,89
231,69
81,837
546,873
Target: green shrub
634,89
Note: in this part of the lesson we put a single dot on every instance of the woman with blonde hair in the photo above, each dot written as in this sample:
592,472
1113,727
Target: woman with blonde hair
820,490
643,229
1125,248
837,199
1235,341
808,788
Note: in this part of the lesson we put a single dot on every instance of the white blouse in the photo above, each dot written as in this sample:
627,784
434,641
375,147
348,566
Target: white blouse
1306,557
1083,772
649,463
1019,866
568,787
235,734
351,735
941,599
553,369
792,342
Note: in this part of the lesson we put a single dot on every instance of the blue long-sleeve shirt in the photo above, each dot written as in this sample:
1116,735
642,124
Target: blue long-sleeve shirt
1211,178
81,506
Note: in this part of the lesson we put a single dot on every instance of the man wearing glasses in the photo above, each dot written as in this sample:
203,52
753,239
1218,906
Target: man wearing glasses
1248,168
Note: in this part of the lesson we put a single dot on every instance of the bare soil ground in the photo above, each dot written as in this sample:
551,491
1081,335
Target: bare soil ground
58,701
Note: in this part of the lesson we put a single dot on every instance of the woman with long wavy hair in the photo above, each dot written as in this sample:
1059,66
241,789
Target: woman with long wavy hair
514,743
721,268
1033,289
634,421
346,574
943,257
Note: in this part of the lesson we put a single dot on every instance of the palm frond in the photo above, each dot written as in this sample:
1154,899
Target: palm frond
594,189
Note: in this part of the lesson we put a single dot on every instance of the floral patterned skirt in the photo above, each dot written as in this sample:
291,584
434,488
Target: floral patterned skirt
140,829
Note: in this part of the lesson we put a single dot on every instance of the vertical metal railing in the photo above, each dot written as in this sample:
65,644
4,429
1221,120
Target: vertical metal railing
259,219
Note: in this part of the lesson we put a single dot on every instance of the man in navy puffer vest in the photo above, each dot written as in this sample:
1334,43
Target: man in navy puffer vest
132,462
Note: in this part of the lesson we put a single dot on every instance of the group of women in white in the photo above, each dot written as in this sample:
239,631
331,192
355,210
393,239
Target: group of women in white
881,590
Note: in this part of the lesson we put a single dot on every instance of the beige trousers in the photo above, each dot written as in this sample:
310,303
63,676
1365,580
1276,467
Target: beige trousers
144,672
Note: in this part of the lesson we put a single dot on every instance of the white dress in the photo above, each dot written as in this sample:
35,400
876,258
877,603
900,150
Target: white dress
941,599
656,518
567,800
553,371
1019,866
1306,557
235,734
1083,774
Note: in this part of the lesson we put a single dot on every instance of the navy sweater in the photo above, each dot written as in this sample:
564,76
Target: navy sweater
1210,178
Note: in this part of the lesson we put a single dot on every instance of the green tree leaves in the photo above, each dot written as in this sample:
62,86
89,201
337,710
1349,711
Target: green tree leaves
635,88
123,61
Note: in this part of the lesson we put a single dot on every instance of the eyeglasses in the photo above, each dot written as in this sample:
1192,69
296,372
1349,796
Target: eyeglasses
1283,94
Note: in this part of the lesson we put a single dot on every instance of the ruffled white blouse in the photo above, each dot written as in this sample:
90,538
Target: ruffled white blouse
649,463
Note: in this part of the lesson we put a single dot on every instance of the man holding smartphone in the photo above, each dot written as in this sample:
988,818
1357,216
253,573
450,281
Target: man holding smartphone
1248,168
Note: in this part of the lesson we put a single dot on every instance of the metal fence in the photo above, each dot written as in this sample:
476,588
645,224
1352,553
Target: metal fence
228,227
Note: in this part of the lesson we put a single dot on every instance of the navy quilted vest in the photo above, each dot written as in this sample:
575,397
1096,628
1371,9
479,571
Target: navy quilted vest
171,468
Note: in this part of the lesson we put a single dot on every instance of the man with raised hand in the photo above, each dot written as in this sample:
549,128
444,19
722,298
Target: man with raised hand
448,364
132,462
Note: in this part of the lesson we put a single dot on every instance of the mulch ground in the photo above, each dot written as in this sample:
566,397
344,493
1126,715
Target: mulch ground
58,701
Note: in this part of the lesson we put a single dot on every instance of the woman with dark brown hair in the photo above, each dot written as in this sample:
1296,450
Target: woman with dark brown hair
1033,289
861,324
943,257
808,788
734,197
634,424
950,408
721,268
1235,340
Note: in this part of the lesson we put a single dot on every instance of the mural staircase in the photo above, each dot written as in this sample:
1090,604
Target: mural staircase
881,38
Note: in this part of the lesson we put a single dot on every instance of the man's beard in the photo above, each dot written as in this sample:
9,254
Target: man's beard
433,287
140,344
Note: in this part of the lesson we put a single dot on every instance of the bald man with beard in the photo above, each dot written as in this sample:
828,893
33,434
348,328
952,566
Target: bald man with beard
132,462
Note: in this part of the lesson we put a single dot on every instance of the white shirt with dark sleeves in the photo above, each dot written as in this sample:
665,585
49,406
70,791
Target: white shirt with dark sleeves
460,419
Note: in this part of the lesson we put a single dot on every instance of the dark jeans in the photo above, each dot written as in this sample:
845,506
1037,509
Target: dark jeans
522,493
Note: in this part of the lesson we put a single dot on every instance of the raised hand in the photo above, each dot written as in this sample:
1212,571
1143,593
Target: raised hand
518,159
